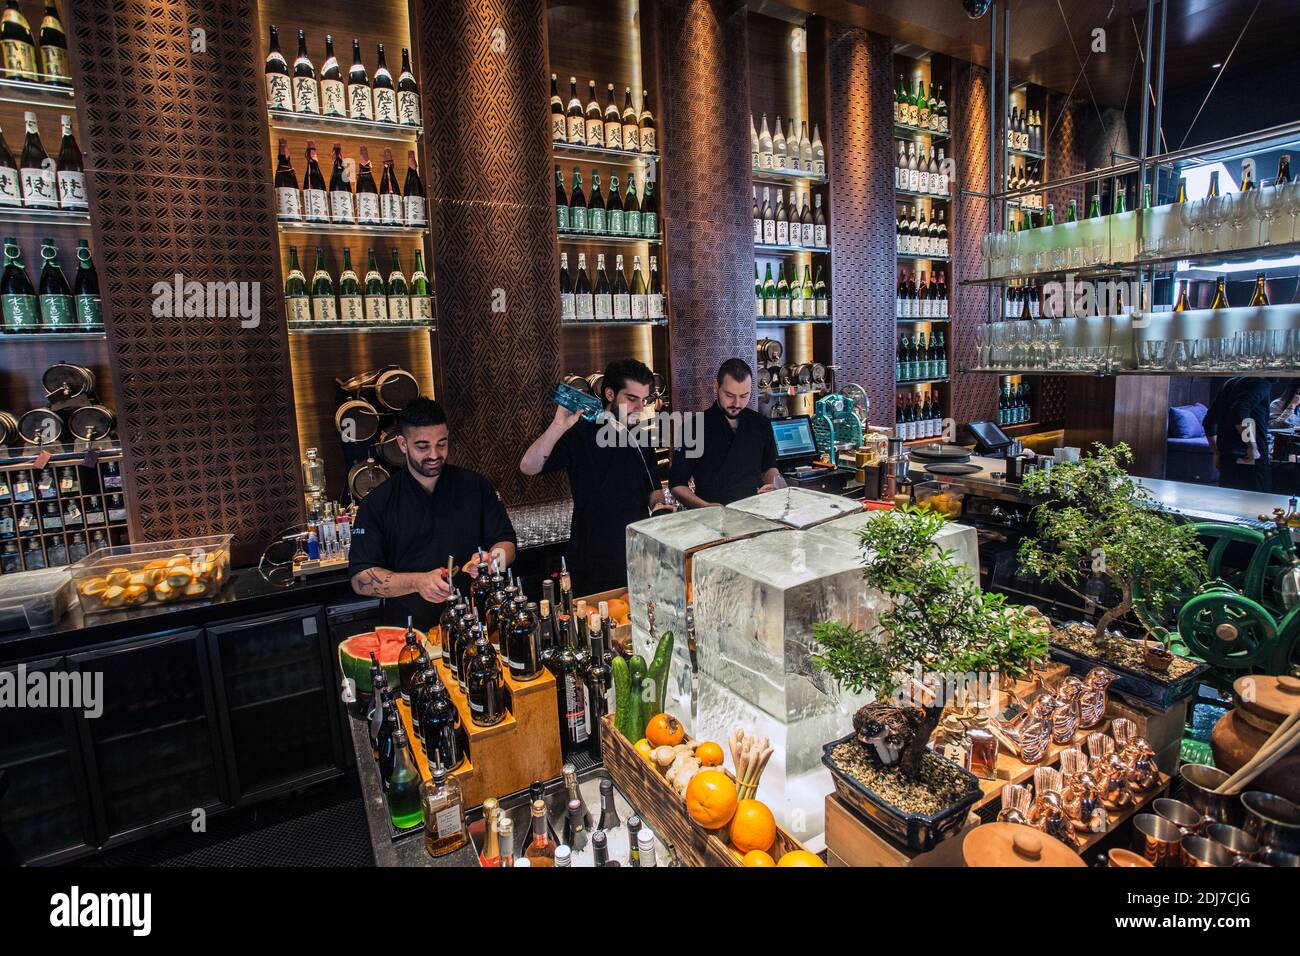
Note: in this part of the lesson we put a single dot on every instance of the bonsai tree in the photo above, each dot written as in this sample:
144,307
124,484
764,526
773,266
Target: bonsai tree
1095,520
936,617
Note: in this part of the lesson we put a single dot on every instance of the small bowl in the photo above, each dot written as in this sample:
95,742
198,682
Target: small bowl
1199,781
1202,851
1272,820
1187,818
1233,839
1119,857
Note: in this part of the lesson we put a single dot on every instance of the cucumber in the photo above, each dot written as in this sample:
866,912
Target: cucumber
623,699
659,670
641,712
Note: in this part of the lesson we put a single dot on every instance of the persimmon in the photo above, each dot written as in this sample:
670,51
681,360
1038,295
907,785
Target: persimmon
664,730
709,754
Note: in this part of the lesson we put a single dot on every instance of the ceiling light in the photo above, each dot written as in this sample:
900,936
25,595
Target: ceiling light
1215,66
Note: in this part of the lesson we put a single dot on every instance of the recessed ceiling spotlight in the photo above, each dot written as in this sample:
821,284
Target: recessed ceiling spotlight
1215,66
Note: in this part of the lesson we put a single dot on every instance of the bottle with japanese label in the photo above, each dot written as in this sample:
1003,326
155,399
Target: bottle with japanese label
351,307
296,303
399,297
647,126
57,309
71,171
316,201
306,92
288,202
602,295
19,48
421,295
85,290
323,308
36,170
361,104
413,203
376,296
557,112
566,290
650,211
11,190
18,299
367,193
391,211
622,294
408,93
279,90
54,48
333,95
342,209
385,92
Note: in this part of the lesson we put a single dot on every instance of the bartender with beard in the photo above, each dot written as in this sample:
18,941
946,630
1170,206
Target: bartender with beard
737,458
612,476
429,510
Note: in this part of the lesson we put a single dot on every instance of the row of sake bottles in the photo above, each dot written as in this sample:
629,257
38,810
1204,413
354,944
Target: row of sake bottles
37,181
619,215
791,298
53,306
352,197
622,299
782,153
397,301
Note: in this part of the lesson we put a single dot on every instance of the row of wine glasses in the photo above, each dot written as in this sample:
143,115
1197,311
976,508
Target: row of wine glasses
1244,351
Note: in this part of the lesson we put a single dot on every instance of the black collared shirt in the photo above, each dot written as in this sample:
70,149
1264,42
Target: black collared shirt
611,488
403,528
733,460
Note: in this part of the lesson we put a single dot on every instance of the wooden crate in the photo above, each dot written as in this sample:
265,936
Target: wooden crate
851,841
509,756
647,790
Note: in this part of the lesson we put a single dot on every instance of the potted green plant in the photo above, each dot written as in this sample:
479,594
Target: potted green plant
1100,536
932,617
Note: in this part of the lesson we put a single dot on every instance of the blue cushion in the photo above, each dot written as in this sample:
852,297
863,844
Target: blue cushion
1187,421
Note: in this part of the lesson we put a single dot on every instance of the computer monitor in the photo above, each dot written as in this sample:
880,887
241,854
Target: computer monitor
990,440
794,439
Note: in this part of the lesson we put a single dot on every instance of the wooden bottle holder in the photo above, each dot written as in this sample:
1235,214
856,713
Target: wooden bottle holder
506,757
658,803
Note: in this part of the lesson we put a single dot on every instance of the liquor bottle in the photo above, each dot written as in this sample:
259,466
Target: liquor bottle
85,290
367,194
333,96
596,224
903,365
1283,170
306,92
753,144
821,296
391,211
796,294
812,305
782,219
807,226
613,121
819,226
342,209
577,204
541,851
1214,184
297,304
71,174
388,724
322,292
634,841
423,671
602,295
493,605
655,296
1220,293
598,680
557,112
615,220
768,217
1182,305
351,308
646,124
622,293
279,92
570,692
650,211
442,808
315,197
384,91
584,308
19,61
900,167
818,152
404,783
577,130
521,651
421,310
1261,293
594,125
922,106
567,313
36,169
408,93
361,104
407,658
629,136
484,685
782,293
769,294
57,309
414,207
11,192
399,294
1119,201
287,199
807,160
779,159
765,147
491,855
561,203
506,840
375,296
440,726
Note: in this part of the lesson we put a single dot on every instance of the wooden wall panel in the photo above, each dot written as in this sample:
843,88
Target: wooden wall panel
486,95
974,396
1142,420
700,47
862,230
179,183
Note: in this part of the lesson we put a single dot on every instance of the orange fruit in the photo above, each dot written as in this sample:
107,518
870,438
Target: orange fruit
758,858
711,799
664,730
644,749
800,858
708,754
753,827
618,608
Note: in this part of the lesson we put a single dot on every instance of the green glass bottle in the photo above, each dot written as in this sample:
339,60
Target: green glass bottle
421,299
57,309
561,202
1119,201
85,289
1072,212
769,293
821,296
323,307
374,294
650,211
1146,196
404,783
399,297
351,308
809,294
782,294
614,218
758,293
17,296
1094,206
1050,218
296,303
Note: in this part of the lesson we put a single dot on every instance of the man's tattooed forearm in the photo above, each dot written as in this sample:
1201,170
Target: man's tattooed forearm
375,584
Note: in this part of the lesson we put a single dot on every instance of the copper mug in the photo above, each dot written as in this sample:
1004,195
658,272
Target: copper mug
1202,851
1184,816
1157,840
1235,840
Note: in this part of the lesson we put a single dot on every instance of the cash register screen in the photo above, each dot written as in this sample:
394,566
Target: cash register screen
794,438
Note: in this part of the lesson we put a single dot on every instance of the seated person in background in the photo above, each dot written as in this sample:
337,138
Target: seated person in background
1284,411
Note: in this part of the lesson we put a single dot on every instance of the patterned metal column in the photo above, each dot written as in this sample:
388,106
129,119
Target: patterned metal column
974,395
861,124
493,215
704,86
174,141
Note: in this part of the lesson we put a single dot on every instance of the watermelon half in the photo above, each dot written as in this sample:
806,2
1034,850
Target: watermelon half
354,655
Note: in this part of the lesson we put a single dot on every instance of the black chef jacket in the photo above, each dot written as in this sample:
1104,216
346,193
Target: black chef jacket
403,528
611,488
733,460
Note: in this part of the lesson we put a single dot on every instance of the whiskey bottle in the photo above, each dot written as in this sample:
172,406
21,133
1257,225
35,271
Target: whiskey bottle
306,93
361,104
484,685
407,659
413,203
491,855
316,203
385,93
333,96
399,296
367,194
442,807
408,93
541,851
557,112
375,298
323,308
279,90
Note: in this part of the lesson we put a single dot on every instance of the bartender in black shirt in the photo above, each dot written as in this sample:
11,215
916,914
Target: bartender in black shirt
737,457
429,510
613,481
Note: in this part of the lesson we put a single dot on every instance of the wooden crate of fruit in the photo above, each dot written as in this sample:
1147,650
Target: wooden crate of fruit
647,788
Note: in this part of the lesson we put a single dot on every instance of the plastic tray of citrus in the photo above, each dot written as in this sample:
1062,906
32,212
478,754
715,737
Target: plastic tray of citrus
697,773
159,572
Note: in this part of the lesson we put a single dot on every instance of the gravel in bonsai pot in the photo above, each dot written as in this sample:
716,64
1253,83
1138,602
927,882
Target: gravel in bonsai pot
1096,525
933,616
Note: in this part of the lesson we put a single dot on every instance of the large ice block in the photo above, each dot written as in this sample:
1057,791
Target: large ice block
958,538
796,507
659,553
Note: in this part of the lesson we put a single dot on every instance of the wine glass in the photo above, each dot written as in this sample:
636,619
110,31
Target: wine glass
1291,203
1187,218
1219,214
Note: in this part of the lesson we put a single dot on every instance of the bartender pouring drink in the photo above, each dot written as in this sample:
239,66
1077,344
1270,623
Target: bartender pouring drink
737,457
430,509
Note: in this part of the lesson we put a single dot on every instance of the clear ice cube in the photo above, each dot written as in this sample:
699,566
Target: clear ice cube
796,507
